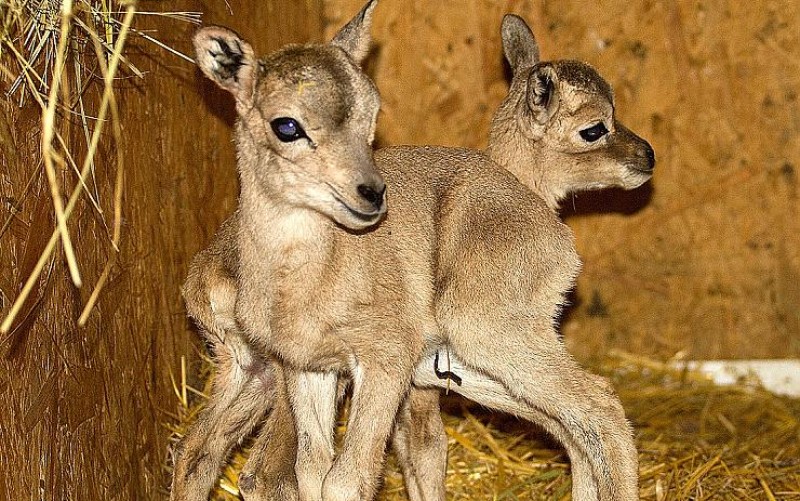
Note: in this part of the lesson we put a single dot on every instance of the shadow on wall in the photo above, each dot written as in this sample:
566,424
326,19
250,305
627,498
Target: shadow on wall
218,102
608,201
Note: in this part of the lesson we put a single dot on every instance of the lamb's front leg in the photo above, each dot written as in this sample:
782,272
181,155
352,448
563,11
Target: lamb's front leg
380,383
313,356
313,397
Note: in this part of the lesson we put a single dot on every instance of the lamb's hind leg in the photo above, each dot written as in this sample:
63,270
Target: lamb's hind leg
269,473
481,389
241,394
420,444
530,361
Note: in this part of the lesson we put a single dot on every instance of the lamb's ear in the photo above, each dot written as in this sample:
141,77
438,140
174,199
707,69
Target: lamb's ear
542,92
354,37
226,59
519,44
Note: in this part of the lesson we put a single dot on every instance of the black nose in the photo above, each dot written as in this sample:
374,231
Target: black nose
650,155
372,195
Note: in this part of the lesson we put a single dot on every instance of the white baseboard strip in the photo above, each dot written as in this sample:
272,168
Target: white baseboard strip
781,376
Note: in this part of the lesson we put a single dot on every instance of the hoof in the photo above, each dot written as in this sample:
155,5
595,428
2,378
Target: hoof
247,483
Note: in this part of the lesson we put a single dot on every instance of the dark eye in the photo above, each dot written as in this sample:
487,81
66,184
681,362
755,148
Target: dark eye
593,133
287,129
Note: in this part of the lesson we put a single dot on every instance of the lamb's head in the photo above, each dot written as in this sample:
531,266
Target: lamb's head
306,120
556,130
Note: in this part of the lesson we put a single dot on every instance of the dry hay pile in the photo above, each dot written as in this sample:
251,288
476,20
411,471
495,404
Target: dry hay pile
65,56
696,441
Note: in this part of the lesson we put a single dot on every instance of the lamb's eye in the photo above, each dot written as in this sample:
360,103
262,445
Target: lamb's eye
593,133
287,129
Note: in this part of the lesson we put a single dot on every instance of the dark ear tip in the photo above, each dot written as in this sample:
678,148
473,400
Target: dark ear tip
519,44
201,34
354,37
513,23
511,19
207,31
369,8
213,31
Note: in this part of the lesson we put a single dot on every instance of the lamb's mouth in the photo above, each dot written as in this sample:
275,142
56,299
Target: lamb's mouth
367,217
639,170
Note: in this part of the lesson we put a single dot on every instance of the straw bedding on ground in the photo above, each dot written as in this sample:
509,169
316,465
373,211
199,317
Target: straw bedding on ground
696,441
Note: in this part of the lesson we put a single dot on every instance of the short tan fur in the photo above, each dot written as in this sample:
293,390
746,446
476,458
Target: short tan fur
465,248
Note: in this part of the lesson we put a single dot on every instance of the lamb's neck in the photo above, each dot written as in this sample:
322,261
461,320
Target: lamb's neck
275,227
528,164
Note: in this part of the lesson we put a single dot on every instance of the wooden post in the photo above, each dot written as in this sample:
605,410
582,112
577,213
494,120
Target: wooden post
82,410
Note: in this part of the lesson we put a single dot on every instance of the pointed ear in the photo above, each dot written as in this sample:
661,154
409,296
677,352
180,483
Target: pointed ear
226,59
354,37
542,92
519,44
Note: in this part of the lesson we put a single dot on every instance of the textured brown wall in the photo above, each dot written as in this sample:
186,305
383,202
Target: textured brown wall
81,410
705,260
